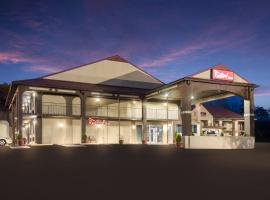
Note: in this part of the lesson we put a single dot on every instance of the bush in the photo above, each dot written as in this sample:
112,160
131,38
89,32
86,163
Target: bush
19,137
178,138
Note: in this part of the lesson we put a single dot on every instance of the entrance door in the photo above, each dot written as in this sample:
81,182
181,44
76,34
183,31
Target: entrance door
152,135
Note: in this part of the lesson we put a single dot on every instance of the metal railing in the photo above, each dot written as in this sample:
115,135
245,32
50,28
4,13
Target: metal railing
161,114
112,111
60,109
131,113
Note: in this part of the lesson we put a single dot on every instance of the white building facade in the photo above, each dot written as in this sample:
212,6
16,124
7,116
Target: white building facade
112,101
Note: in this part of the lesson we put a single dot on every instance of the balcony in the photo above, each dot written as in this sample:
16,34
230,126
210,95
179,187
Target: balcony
61,109
161,114
131,113
112,112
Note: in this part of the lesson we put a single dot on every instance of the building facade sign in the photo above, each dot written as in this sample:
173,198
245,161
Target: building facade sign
93,121
223,75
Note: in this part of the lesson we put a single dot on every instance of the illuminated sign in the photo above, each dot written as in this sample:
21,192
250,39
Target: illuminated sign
223,75
92,121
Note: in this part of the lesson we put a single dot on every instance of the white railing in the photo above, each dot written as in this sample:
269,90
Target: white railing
161,114
60,109
112,111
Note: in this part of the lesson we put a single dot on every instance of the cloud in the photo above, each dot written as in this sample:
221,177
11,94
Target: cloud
262,91
35,64
11,57
209,41
40,68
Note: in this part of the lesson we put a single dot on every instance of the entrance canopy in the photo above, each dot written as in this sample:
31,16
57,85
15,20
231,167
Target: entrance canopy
214,83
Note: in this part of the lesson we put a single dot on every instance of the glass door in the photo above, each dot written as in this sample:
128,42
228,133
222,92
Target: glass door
155,134
152,135
139,134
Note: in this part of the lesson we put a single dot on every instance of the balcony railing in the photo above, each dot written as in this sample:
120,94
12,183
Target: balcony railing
60,109
161,114
131,113
112,111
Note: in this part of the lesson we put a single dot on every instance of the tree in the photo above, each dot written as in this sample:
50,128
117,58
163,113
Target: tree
261,114
3,95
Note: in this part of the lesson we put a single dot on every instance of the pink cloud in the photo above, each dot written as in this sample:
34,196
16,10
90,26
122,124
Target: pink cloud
10,57
210,41
263,91
40,68
35,64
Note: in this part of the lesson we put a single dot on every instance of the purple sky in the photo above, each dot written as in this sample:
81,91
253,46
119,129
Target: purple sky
169,39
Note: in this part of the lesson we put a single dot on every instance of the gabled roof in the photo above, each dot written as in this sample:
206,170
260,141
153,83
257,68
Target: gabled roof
206,74
114,71
219,112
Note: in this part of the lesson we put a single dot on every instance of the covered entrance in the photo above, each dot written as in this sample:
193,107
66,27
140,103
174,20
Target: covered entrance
215,83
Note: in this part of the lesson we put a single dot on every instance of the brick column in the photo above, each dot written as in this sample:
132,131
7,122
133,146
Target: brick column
83,113
38,125
186,116
144,118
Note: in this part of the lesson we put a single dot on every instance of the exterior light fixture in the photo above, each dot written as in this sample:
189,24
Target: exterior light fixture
60,125
165,104
34,94
97,99
134,102
133,126
166,95
192,97
98,125
35,122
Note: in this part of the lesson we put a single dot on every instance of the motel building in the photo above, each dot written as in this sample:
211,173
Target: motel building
112,101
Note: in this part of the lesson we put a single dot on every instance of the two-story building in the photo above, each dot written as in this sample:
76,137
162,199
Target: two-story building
113,100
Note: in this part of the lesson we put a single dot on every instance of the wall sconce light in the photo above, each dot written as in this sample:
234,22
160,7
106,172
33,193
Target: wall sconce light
60,125
98,125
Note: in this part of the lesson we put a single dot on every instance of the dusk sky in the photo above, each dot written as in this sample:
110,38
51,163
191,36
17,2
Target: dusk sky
169,39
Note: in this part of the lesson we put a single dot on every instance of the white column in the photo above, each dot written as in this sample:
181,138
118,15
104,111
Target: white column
247,116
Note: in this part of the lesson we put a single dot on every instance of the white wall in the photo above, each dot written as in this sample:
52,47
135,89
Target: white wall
158,110
4,129
215,142
108,133
52,107
61,131
110,73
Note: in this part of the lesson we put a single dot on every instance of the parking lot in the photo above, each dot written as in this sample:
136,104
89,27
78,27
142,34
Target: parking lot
134,172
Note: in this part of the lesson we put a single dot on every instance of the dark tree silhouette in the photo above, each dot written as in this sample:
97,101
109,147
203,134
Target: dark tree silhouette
3,95
261,114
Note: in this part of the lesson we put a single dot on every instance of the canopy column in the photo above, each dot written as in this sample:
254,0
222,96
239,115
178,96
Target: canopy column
249,113
186,117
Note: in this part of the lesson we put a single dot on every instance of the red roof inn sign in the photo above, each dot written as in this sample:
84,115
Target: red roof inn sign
223,75
93,121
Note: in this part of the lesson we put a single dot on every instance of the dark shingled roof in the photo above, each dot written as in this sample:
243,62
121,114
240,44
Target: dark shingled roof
68,85
219,112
